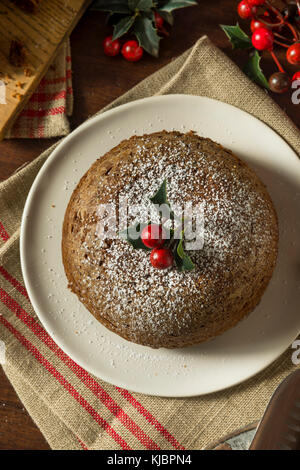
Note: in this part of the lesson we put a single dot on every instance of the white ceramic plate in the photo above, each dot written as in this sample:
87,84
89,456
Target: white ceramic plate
229,359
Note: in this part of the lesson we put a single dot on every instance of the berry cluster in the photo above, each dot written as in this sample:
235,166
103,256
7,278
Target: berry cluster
130,50
165,250
154,237
270,27
143,19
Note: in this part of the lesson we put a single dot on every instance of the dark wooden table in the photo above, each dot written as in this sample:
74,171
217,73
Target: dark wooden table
97,80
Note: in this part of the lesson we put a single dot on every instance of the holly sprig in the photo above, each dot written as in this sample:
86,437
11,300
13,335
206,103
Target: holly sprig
240,40
272,26
138,17
182,259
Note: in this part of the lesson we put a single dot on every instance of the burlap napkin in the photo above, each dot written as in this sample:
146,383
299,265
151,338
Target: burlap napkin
75,410
46,113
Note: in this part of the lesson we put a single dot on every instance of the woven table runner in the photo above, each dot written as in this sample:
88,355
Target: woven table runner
72,408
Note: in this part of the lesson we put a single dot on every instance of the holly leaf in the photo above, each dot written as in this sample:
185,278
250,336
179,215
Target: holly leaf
147,35
160,197
170,5
141,5
129,234
254,71
238,38
112,6
182,260
123,26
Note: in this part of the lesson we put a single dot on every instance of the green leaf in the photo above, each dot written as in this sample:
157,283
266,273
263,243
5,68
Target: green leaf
170,5
167,16
129,233
141,5
182,260
160,197
238,38
123,26
254,71
147,35
113,6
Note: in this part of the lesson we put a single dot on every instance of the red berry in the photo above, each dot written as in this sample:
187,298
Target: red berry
255,24
153,236
132,51
161,258
279,82
111,47
159,21
245,10
262,39
296,76
256,3
293,54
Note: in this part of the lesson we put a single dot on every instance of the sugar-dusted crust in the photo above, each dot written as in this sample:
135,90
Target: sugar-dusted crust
168,308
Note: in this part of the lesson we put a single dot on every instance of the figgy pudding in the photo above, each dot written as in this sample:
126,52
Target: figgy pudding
224,280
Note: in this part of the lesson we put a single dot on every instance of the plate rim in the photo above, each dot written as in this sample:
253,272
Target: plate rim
23,237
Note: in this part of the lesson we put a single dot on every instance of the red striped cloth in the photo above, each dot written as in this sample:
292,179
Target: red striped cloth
83,375
45,114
